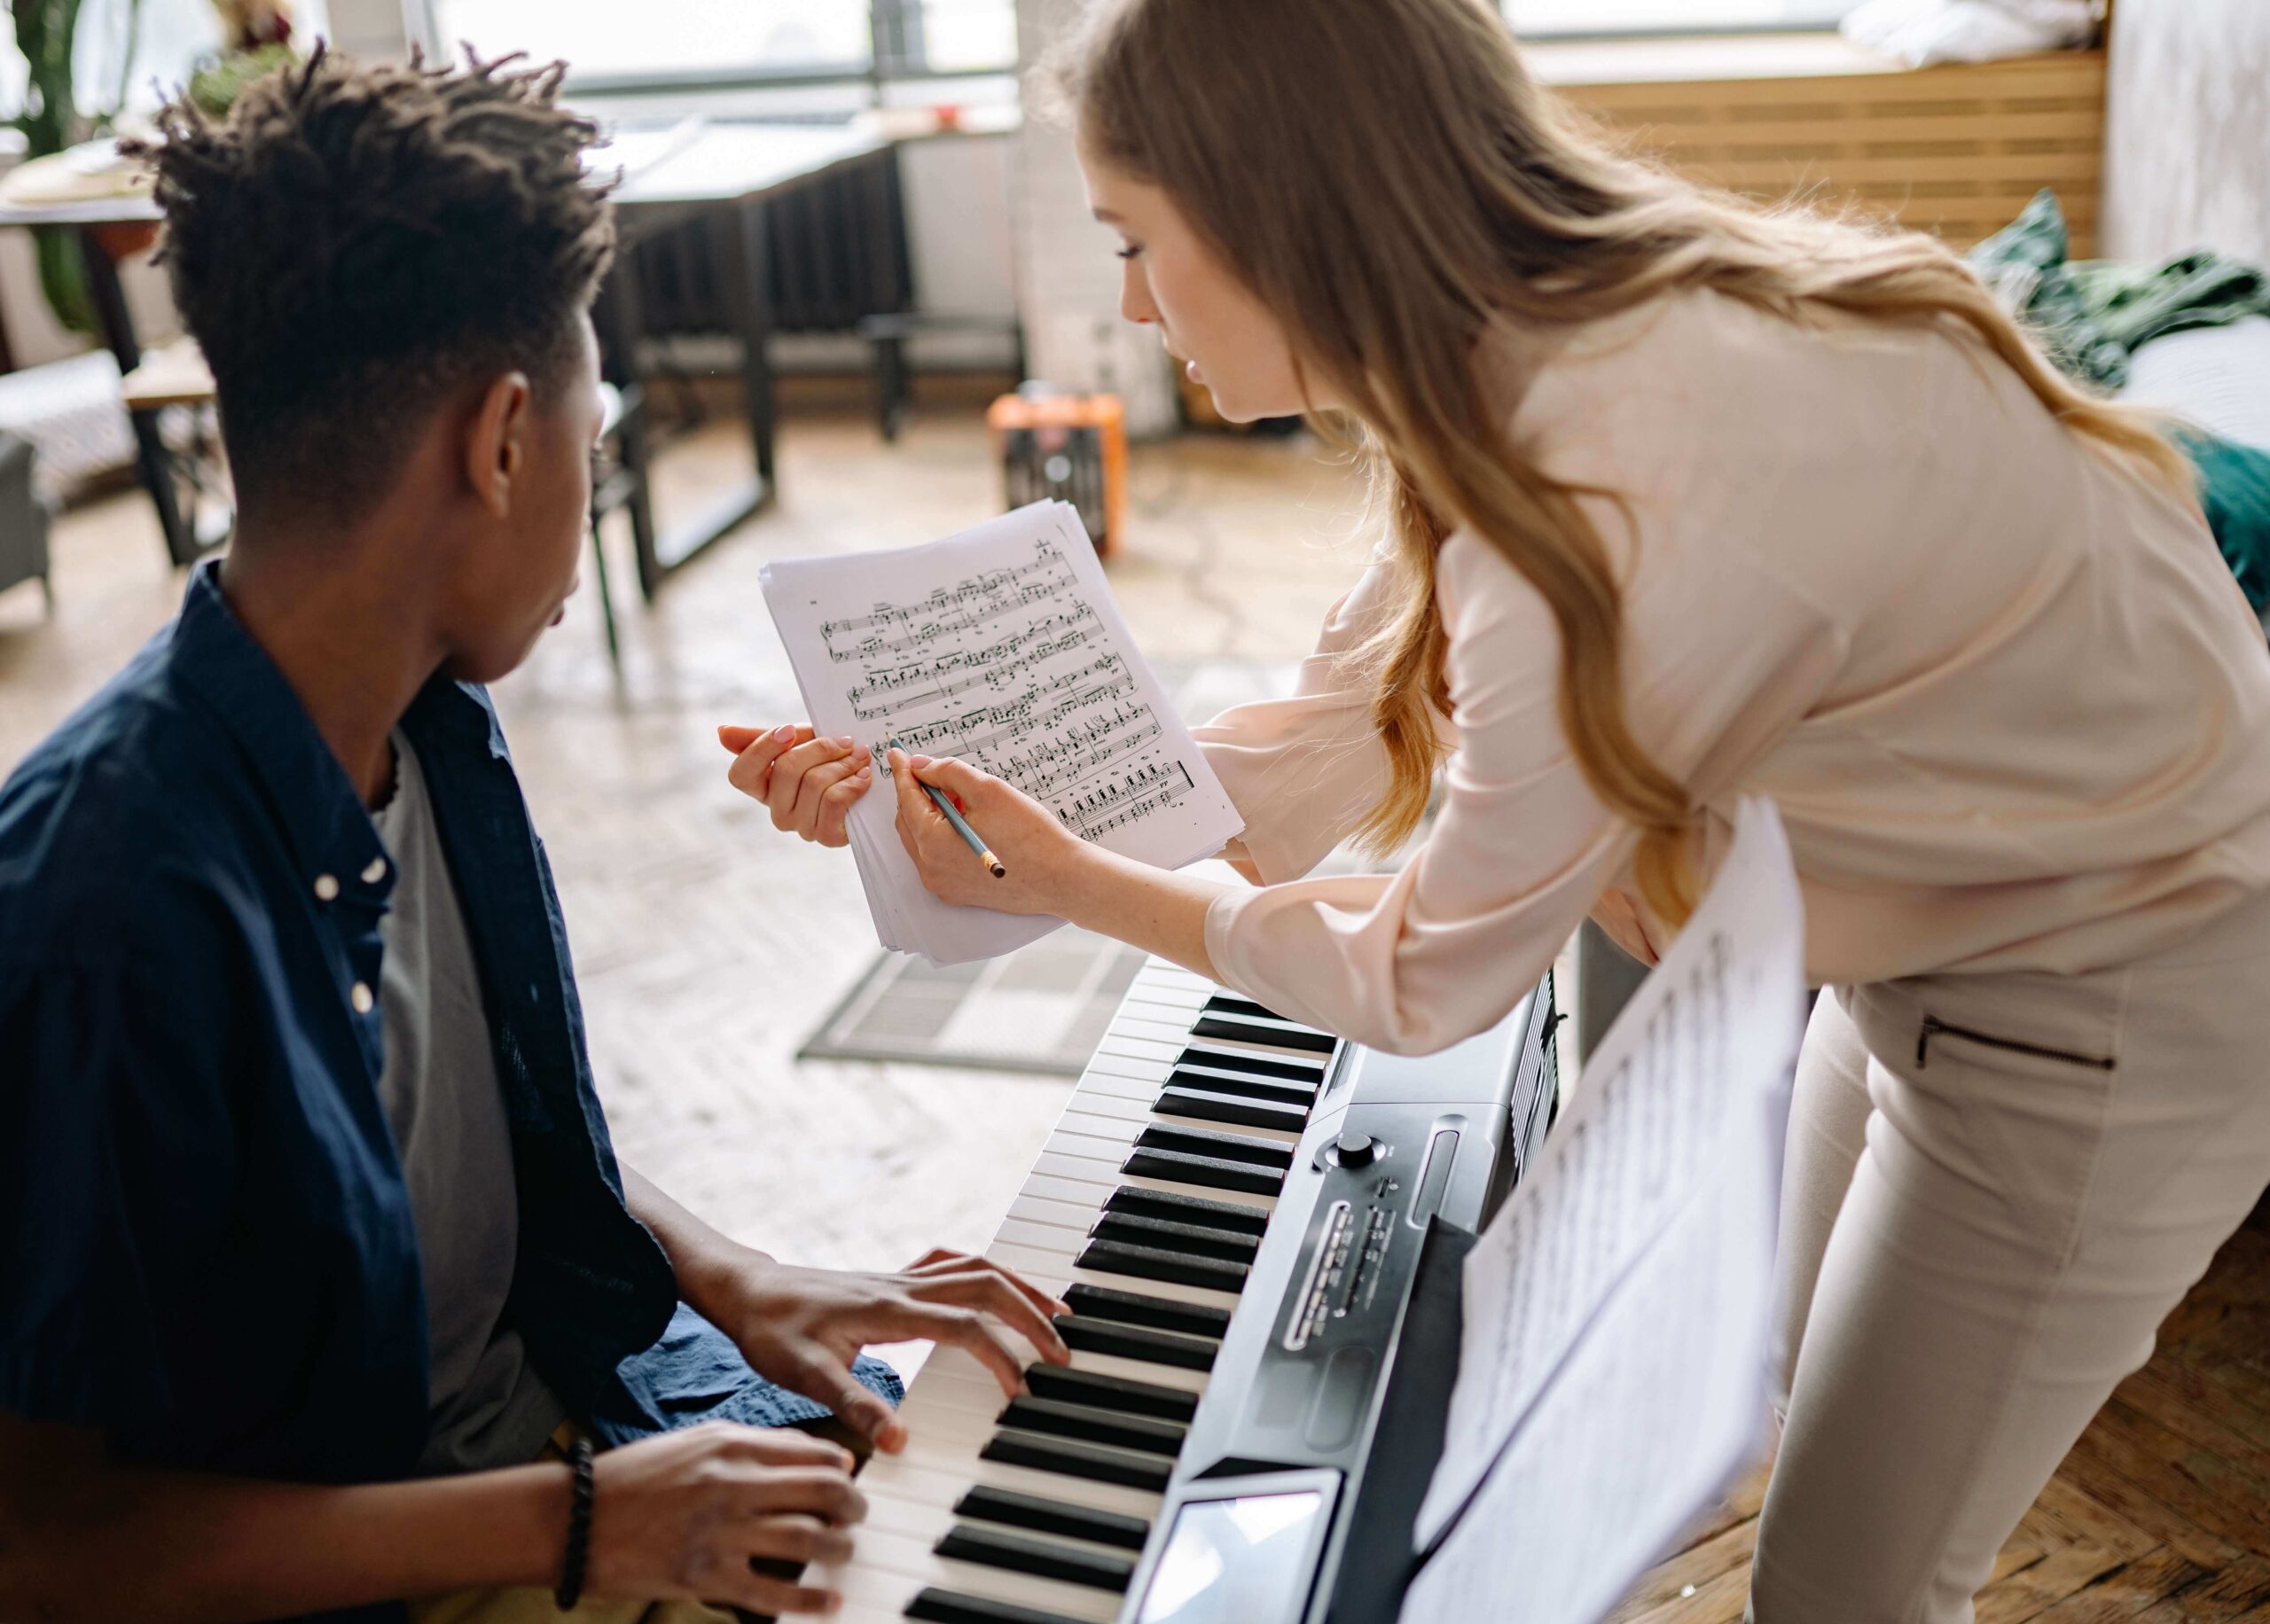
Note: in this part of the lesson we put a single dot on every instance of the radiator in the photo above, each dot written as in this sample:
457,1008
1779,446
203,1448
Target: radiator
836,251
1957,149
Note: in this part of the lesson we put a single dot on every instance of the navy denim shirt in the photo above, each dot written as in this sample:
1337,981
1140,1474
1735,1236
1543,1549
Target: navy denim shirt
206,1246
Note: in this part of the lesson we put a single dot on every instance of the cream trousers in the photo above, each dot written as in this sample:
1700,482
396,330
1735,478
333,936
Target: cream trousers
1996,1188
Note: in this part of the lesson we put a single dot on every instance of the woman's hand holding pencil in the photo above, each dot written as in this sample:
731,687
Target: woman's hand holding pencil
961,827
973,837
979,840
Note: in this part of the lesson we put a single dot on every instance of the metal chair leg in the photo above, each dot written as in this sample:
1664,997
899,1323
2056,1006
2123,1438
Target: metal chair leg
606,597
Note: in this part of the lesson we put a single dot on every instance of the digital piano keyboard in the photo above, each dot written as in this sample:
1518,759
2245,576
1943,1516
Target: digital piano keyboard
1258,1228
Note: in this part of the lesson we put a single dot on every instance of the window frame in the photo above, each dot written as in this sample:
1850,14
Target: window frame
896,54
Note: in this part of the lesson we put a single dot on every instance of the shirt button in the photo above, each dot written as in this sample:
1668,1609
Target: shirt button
376,872
359,995
327,888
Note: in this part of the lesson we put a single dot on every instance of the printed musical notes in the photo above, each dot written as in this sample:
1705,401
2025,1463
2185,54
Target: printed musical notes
1001,647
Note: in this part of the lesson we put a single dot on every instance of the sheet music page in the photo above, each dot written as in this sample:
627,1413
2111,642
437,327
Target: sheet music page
1679,1091
1004,646
1657,1409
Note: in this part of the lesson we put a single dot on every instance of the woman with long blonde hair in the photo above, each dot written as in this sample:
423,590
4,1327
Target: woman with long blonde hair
1687,500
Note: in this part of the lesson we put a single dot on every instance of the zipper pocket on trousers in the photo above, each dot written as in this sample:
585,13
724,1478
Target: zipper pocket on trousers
1933,1027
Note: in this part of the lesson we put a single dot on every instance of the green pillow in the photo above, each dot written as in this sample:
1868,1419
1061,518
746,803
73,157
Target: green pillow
2024,264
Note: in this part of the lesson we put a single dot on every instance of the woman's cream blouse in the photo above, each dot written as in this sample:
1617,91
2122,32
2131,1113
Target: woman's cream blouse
2013,708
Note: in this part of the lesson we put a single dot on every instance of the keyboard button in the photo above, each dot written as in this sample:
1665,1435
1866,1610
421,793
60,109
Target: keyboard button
1022,1553
1091,1425
1134,1398
1139,1342
1075,1459
1106,1257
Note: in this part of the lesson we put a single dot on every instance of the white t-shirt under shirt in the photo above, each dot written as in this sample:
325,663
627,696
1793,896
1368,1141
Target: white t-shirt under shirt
487,1404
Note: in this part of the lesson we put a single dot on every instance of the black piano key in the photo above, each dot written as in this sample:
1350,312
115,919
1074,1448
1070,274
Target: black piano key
1079,1522
1199,1240
1134,1398
1222,1080
1227,1108
1110,1257
1071,1458
1142,1342
935,1606
1253,1064
1141,1434
1177,1168
1224,1147
1020,1553
1232,1215
1276,1034
1231,1004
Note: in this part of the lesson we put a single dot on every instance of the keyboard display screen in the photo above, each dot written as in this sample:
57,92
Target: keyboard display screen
1245,1560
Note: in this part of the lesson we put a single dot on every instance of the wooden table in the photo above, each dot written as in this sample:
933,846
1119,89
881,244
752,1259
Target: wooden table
729,169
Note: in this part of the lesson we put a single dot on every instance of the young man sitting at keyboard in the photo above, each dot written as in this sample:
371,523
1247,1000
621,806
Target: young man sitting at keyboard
319,1277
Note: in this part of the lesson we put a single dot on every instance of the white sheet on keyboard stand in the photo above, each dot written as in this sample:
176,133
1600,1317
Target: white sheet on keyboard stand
1612,1373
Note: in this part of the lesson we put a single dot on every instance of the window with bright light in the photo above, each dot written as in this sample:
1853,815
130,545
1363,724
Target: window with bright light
135,53
764,39
1540,17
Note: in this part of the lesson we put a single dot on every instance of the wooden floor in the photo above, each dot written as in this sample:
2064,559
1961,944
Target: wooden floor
2160,1515
708,948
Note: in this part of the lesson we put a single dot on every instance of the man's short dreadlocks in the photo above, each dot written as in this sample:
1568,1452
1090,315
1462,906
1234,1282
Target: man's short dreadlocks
353,243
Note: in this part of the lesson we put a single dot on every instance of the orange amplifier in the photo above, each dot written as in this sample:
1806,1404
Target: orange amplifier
1071,448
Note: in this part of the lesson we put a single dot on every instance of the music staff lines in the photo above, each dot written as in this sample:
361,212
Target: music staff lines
950,610
1160,784
1058,711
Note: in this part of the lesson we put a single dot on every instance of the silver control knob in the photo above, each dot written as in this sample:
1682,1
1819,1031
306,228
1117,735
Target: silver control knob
1355,1149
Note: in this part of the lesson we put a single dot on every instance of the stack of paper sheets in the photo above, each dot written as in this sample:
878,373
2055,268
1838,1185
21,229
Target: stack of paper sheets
1002,646
1612,1377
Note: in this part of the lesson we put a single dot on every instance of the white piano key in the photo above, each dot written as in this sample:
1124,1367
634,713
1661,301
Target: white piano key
1088,1194
1204,1192
1136,1026
1076,1141
1078,1169
1104,1085
941,1472
1132,1068
1035,1236
1061,1255
928,1524
877,1552
1074,1215
1077,1118
1050,1269
954,1404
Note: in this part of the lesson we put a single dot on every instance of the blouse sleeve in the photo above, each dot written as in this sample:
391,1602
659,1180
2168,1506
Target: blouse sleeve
1722,658
1303,772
